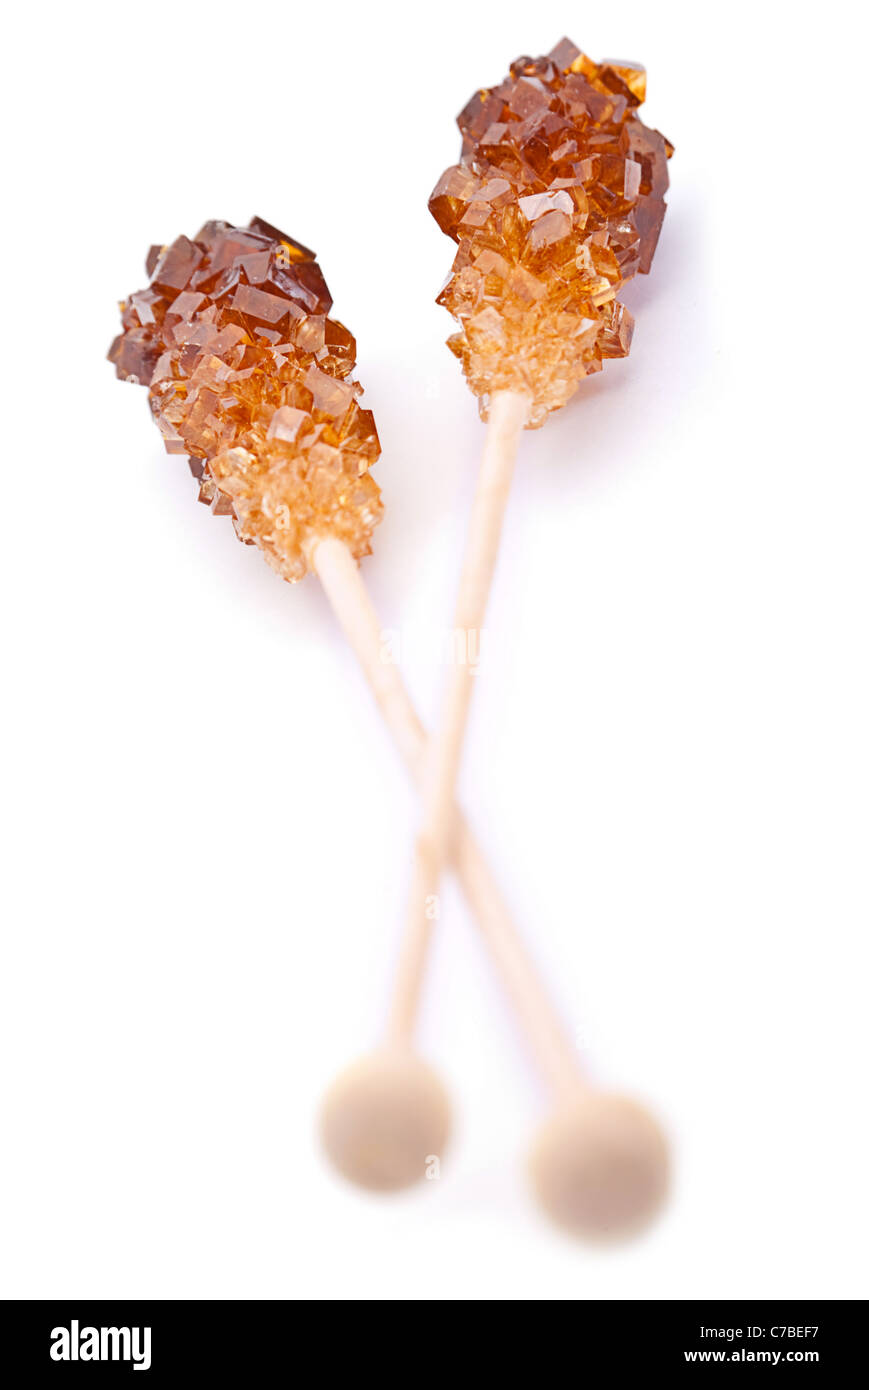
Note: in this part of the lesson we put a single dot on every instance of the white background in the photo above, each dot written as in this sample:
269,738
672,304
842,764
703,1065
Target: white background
207,835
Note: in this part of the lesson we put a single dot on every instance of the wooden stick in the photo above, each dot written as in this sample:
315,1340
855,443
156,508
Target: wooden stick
346,591
507,415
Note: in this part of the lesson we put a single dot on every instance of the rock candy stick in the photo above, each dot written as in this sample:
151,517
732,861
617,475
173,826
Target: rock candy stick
249,377
556,202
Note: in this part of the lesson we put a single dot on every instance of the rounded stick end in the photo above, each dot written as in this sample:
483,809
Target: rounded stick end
385,1121
600,1167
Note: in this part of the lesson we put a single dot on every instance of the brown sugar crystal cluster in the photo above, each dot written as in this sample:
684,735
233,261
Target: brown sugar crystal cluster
558,200
250,378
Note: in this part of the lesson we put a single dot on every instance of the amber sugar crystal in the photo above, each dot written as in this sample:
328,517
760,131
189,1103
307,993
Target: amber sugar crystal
250,378
557,200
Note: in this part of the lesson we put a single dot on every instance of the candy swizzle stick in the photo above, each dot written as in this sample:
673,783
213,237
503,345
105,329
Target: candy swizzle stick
249,377
557,201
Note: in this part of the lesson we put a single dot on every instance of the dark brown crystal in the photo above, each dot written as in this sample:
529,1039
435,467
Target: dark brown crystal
251,379
557,200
